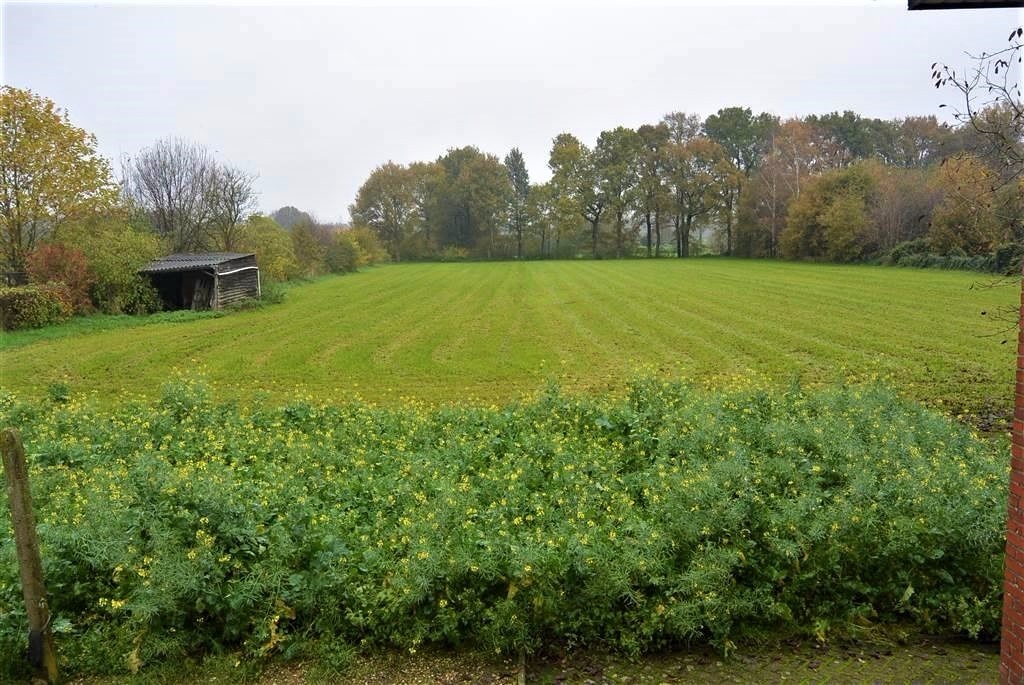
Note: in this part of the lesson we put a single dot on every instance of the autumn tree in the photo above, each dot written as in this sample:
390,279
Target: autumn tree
982,207
616,160
455,222
574,178
117,286
653,197
698,171
903,203
60,263
918,142
428,182
520,180
762,209
540,216
745,138
682,126
554,219
486,189
385,203
50,173
969,217
830,219
273,246
308,248
851,136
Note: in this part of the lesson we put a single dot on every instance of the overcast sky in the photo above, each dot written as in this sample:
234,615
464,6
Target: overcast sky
313,99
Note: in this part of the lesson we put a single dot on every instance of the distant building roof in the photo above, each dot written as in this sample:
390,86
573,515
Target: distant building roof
960,4
189,262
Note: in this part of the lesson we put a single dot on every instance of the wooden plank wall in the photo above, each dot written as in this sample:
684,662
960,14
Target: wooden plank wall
234,287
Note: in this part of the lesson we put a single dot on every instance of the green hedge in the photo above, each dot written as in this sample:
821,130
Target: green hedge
34,306
183,526
1004,259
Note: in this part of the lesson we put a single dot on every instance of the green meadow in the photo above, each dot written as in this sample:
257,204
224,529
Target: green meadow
494,332
619,511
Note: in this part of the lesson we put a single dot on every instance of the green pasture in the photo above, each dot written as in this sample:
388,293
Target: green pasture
492,332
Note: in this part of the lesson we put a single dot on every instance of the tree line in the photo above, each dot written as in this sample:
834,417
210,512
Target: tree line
837,186
68,224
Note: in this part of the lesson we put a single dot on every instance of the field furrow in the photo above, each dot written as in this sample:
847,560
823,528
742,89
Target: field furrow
497,331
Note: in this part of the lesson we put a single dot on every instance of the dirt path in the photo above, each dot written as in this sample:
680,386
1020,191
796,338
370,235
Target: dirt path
924,661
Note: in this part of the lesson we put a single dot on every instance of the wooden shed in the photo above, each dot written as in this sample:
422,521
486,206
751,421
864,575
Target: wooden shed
207,280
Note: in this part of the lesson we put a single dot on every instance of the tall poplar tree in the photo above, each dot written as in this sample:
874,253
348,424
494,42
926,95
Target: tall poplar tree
517,214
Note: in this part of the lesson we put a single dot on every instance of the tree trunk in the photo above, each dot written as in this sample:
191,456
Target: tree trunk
647,218
593,235
687,226
657,233
728,225
679,235
620,230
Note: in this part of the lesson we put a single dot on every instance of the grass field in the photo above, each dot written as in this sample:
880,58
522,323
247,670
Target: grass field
496,331
177,526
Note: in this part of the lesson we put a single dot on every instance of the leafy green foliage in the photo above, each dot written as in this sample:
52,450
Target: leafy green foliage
117,287
385,204
273,246
182,526
309,253
829,219
520,179
343,256
372,250
34,306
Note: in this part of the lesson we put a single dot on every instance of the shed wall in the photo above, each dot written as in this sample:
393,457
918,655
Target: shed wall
234,287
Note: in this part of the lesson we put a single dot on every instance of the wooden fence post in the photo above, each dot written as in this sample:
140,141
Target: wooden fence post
41,652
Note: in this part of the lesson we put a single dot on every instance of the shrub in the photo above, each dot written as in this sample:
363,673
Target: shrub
116,250
905,249
273,247
1007,258
370,245
59,263
452,253
344,255
309,253
34,306
183,526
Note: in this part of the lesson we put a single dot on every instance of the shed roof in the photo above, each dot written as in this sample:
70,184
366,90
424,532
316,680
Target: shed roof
190,262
